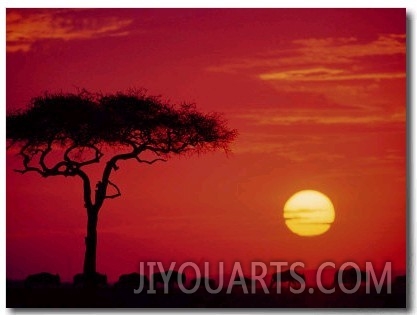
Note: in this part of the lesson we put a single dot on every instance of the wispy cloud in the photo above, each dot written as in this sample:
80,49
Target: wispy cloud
332,73
337,50
26,27
284,117
303,54
324,74
313,135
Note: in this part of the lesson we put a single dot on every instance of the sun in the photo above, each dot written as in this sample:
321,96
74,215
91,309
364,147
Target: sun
309,213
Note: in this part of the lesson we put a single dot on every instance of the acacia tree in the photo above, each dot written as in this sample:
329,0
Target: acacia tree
80,127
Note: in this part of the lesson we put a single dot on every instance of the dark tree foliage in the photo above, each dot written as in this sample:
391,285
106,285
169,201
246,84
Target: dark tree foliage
81,125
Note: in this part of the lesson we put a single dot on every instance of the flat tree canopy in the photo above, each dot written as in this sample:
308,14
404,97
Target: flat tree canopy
133,119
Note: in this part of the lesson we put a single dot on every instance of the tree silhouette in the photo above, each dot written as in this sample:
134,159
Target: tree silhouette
80,127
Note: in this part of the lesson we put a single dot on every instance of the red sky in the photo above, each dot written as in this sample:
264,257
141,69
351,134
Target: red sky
318,97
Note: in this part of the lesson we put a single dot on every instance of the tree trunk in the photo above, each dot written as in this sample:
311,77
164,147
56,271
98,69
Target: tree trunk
90,249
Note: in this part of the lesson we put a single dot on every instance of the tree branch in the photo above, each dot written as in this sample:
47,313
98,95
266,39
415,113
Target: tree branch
114,195
31,169
151,161
111,165
168,149
71,169
97,155
86,188
44,153
26,160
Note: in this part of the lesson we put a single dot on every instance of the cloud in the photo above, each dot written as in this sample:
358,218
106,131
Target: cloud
337,73
326,74
27,27
370,138
336,50
312,62
285,117
310,52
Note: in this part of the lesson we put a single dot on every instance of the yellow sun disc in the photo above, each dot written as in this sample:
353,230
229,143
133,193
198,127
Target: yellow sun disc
309,213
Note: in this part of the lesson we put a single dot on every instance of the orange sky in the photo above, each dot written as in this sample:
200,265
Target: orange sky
318,97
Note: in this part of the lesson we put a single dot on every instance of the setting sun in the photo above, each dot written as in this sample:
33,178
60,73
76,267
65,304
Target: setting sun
309,213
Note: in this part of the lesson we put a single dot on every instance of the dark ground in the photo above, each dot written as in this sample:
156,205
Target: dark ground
69,297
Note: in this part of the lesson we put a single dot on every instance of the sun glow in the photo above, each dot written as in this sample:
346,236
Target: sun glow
309,213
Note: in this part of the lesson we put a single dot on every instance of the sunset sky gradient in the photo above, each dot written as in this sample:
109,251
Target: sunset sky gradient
319,100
